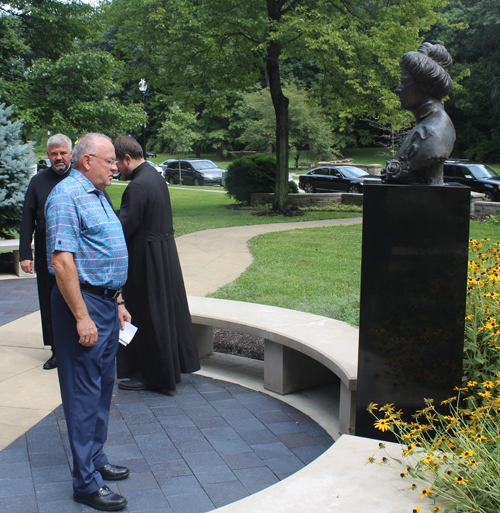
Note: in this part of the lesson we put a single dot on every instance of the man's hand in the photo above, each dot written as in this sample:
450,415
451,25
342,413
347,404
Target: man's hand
123,316
27,266
87,331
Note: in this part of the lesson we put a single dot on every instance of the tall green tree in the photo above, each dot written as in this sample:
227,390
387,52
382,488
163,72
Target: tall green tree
73,95
222,44
178,131
35,29
309,128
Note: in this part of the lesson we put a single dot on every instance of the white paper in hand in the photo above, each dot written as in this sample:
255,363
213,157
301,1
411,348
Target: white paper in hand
127,334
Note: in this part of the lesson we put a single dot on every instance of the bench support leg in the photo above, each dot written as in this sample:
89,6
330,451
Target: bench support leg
17,265
204,336
347,410
287,370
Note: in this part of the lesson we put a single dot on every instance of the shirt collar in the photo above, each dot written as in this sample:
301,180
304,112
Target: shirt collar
138,169
67,172
84,181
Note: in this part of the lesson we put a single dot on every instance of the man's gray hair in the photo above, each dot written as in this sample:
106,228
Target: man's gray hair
58,140
85,146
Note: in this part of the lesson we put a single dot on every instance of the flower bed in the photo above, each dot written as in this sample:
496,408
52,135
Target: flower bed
456,454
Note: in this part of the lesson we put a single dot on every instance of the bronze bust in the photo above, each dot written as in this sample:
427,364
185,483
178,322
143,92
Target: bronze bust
425,81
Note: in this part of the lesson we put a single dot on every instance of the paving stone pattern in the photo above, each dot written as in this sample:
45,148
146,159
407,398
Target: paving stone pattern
209,444
18,297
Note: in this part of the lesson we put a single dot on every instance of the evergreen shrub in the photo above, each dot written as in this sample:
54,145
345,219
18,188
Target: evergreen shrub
15,161
252,174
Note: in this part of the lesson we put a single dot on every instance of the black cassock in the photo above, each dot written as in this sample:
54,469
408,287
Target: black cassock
33,220
164,345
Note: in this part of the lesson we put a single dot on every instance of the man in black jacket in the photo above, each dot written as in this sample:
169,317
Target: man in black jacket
59,151
164,345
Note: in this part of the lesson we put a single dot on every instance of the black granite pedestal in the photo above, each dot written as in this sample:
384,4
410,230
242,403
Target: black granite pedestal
413,294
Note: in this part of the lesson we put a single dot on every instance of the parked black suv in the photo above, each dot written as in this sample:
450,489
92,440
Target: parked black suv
479,177
193,172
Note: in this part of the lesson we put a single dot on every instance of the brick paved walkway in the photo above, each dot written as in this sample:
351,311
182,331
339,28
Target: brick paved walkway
209,444
18,297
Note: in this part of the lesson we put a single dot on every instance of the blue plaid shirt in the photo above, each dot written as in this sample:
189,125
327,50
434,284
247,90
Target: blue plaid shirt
80,220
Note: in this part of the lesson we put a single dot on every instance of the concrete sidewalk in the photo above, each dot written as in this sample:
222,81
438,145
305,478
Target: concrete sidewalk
209,260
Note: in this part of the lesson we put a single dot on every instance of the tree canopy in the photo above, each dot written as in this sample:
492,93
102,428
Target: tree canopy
472,36
72,95
54,77
200,45
71,67
309,127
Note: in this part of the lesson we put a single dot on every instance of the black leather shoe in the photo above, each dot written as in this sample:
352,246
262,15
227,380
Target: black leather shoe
132,384
113,472
103,499
51,363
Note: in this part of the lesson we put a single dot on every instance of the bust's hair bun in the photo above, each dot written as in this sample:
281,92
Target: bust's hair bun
438,54
429,66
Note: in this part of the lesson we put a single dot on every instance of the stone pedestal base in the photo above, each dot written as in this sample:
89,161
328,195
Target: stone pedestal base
413,294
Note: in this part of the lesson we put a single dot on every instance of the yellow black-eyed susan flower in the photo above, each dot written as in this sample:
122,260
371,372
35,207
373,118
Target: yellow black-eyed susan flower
383,424
425,493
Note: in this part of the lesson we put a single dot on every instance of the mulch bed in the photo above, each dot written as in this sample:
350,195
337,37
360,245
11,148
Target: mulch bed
239,344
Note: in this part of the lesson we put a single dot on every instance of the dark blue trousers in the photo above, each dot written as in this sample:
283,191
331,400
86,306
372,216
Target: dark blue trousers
86,377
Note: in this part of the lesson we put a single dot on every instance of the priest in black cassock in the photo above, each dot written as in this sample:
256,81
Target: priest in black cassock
164,345
59,151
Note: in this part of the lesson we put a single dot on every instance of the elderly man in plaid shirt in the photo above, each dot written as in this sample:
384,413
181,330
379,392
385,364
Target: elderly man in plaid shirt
86,251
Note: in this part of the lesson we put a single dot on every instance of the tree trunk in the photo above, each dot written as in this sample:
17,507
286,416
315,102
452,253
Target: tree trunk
280,103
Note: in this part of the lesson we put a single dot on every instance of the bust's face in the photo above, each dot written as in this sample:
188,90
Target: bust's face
410,95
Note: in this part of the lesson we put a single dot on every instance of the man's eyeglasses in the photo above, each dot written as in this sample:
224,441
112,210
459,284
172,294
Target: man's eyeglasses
109,162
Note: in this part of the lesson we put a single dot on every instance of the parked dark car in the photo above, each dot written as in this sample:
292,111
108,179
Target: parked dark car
479,177
165,163
335,179
150,155
193,172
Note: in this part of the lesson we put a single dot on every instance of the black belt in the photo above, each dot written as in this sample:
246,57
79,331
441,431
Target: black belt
100,291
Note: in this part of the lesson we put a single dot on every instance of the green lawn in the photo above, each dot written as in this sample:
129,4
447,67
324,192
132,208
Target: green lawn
314,270
195,210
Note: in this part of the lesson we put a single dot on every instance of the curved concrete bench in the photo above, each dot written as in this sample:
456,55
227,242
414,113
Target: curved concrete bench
298,347
301,350
13,245
338,481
